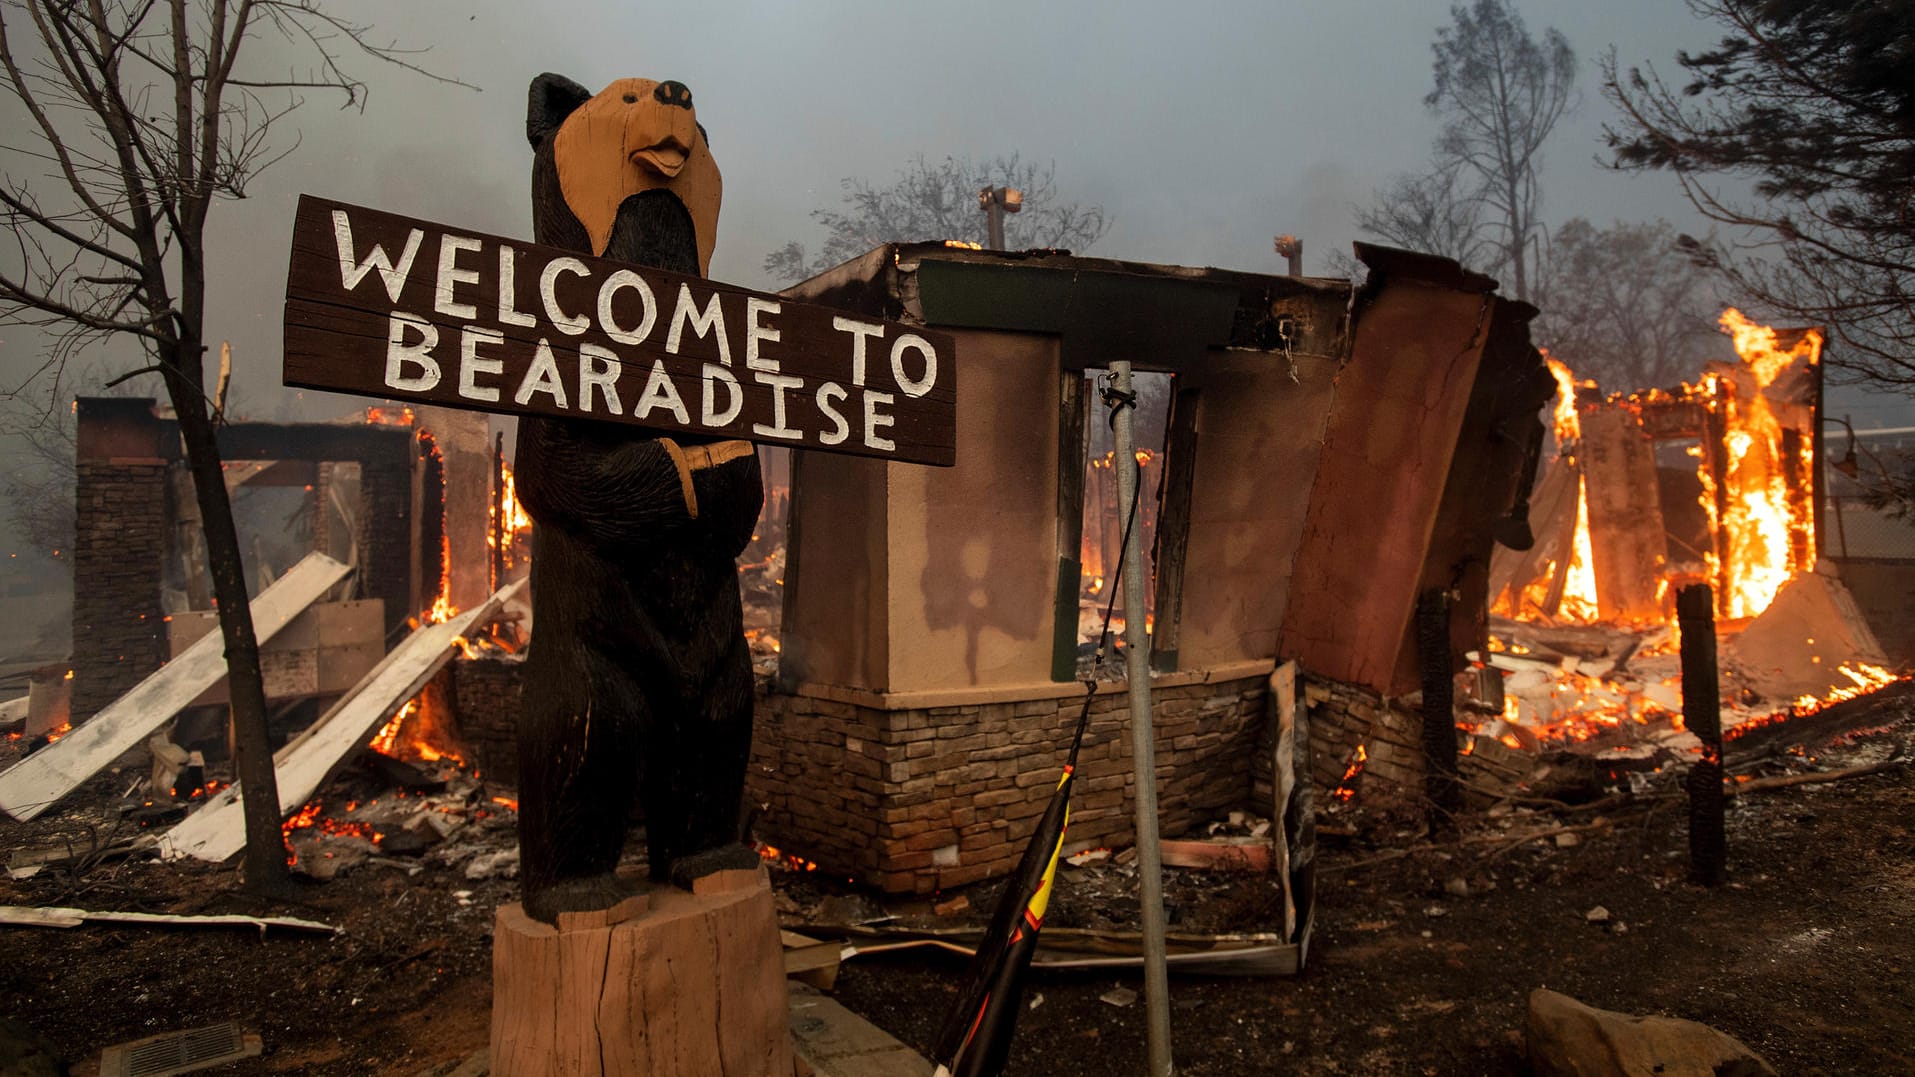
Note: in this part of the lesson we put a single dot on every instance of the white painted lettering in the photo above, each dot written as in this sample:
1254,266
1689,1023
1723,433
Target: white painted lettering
598,369
472,364
625,278
450,274
399,353
570,325
352,271
509,313
779,383
843,429
715,375
914,342
860,332
710,320
660,392
873,419
756,333
541,377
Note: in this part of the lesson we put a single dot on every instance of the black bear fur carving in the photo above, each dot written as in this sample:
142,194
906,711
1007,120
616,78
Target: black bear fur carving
638,680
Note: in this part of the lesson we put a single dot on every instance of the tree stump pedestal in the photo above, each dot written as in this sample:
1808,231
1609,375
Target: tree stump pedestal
665,984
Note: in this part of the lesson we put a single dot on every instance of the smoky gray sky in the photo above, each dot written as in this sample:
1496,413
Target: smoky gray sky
1203,130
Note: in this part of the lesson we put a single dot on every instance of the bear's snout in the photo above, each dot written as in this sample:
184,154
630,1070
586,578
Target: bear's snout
673,93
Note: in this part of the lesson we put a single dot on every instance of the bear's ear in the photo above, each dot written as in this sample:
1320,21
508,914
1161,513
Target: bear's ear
551,99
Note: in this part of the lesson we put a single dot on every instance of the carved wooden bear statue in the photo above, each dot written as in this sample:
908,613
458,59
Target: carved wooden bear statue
638,680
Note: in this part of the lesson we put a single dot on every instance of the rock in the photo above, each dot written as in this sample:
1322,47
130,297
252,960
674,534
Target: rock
1457,886
1568,841
1436,912
26,1053
1118,997
1568,1039
952,907
486,865
1597,915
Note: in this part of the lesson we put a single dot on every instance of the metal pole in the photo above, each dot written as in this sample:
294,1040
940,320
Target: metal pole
1143,742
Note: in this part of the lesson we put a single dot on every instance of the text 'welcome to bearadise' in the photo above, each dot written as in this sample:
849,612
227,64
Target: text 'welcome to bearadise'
392,307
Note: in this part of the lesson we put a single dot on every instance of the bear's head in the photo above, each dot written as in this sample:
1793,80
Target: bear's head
596,151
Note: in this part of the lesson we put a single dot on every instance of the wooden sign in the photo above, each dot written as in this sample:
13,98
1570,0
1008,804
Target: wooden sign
391,307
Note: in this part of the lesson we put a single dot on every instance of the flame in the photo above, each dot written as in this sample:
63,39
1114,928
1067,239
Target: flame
1579,581
517,524
1764,527
384,416
1864,677
384,740
773,855
964,245
442,609
1568,424
1346,786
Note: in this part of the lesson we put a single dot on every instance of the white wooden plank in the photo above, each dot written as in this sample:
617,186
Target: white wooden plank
36,782
218,829
61,916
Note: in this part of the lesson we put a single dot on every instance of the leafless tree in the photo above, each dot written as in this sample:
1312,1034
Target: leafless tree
1500,93
1808,102
1625,305
938,200
141,115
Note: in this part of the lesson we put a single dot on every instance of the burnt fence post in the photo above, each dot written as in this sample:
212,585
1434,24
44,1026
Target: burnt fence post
1702,715
1439,708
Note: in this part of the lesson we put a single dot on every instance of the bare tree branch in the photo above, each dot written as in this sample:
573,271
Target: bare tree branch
1807,103
938,200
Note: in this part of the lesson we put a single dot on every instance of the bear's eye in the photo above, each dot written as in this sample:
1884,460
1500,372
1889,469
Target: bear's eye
631,99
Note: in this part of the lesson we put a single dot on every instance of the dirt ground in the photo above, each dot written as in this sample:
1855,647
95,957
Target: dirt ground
1421,962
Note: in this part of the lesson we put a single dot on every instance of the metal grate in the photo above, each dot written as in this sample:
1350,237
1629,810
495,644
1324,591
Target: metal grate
178,1052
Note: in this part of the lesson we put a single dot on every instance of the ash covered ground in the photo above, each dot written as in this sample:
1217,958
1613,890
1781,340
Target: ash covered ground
1423,956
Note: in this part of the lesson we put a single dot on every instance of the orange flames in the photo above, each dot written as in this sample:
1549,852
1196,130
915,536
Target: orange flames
771,854
1767,528
1755,469
1346,786
509,521
1568,422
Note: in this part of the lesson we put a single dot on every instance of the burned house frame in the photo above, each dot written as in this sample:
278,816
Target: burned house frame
136,533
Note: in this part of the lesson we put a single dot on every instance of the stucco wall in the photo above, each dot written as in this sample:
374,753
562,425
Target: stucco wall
1259,441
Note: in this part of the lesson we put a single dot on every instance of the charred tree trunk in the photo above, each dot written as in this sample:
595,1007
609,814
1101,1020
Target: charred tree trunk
1702,715
252,748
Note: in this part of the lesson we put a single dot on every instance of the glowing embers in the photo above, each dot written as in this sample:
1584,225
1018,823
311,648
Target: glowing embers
1346,786
782,860
412,790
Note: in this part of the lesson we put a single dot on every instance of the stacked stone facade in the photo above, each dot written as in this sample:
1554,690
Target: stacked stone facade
119,630
485,694
1344,717
925,798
